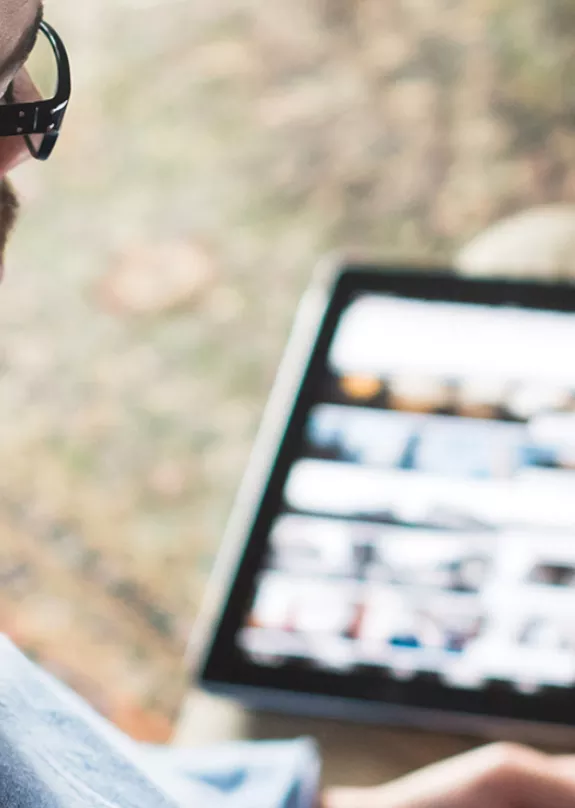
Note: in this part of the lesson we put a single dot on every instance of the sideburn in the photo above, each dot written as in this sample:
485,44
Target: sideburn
9,207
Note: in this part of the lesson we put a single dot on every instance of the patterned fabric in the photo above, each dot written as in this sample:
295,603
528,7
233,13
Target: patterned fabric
55,752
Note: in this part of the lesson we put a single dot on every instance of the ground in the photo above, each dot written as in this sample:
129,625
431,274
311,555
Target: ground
213,151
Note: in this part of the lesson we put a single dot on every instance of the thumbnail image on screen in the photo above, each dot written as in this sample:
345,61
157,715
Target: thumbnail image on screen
428,522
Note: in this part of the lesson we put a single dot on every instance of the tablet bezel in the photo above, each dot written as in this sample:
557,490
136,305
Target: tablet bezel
221,667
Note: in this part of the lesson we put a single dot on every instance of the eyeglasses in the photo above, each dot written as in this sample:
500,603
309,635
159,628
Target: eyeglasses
37,99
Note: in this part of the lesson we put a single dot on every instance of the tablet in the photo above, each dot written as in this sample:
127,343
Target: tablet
403,548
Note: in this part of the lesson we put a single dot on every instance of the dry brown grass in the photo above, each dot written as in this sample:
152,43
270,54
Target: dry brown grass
230,143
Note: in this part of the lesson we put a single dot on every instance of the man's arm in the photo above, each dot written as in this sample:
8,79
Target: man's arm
497,776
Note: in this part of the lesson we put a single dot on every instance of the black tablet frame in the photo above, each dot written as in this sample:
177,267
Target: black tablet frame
223,668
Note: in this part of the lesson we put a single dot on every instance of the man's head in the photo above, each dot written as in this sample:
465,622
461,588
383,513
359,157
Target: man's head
19,25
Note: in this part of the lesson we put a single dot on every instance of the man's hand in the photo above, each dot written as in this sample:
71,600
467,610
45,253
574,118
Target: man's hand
498,776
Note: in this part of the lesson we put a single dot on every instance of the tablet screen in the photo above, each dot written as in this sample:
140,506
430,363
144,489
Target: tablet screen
427,523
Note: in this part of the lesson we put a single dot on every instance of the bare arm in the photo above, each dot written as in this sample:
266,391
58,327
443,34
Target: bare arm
497,776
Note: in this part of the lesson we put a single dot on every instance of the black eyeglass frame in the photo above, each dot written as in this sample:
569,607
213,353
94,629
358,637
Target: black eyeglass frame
43,117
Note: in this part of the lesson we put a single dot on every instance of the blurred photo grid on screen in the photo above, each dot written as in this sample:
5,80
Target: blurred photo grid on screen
428,519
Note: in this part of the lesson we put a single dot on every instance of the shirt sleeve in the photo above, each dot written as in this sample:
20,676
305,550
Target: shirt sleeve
275,774
56,752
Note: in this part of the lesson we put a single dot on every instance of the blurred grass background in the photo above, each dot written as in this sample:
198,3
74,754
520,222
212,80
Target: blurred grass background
213,151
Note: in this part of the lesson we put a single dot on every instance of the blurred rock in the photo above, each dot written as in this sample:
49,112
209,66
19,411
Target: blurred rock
153,279
169,480
535,243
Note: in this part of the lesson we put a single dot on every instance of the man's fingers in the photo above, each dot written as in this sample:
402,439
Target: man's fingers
497,776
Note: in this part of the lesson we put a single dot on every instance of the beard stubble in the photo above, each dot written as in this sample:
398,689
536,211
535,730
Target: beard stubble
9,207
